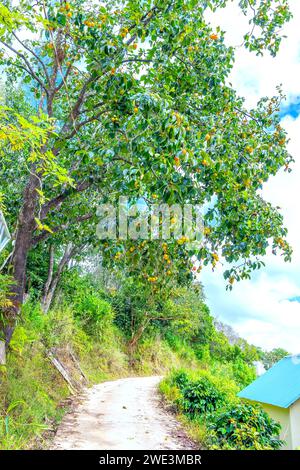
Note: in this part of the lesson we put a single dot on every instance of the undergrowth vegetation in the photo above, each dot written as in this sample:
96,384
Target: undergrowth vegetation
31,388
98,333
208,403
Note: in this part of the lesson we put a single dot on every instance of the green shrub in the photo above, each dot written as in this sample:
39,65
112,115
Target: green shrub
194,383
202,353
170,392
243,373
94,313
90,303
180,378
243,426
174,341
223,377
182,348
200,397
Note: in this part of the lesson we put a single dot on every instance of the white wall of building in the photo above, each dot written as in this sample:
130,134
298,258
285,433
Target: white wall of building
295,424
282,415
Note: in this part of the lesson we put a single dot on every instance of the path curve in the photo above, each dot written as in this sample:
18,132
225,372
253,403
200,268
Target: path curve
124,414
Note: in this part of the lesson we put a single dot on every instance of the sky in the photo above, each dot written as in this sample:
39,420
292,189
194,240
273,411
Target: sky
266,309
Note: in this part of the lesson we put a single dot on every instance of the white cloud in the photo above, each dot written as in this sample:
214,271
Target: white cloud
255,76
259,309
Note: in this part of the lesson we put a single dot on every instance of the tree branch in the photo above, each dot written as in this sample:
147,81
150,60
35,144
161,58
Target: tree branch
58,200
44,235
83,123
64,77
29,69
76,108
144,20
34,54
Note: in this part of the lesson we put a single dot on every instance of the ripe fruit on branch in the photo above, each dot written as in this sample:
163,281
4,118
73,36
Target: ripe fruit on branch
89,23
177,161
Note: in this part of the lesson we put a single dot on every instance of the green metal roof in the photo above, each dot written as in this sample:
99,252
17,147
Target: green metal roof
279,386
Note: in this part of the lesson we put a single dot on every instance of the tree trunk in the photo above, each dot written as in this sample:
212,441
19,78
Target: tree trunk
45,304
49,295
26,226
53,279
2,353
132,344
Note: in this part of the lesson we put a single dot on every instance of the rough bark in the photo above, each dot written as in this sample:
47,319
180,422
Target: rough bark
50,270
132,344
26,226
54,278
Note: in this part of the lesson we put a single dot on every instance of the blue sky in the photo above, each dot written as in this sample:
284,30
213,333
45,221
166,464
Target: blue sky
291,109
266,309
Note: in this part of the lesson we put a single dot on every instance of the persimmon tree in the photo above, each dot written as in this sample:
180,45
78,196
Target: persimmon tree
134,99
140,308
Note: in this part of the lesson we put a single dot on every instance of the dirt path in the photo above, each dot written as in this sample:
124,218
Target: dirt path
123,414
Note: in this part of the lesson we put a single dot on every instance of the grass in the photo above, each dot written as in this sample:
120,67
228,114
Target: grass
30,391
33,393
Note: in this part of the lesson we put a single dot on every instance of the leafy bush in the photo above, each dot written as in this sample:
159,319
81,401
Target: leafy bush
94,312
243,426
5,282
180,378
170,392
243,373
90,304
200,397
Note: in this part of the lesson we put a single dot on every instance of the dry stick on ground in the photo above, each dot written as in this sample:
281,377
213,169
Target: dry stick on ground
73,387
